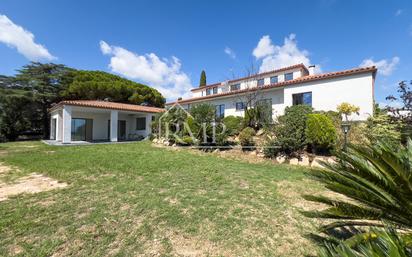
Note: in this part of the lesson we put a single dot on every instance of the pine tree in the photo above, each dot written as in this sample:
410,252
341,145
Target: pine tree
202,79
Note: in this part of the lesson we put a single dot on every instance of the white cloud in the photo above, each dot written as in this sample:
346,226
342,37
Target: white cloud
264,47
230,52
17,37
163,74
275,57
398,12
385,67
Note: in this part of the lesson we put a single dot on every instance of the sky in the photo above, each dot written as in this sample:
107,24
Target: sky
166,44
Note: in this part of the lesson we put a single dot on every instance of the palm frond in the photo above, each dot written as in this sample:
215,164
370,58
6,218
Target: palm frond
376,181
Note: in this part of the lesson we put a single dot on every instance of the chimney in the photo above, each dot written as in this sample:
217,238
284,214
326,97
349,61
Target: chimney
311,69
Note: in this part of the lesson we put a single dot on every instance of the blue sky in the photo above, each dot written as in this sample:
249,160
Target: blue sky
166,44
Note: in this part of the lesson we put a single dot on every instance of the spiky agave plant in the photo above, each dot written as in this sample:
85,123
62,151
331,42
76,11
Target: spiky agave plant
377,183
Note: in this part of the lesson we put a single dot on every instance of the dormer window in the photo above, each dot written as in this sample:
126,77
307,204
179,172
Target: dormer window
288,76
234,87
208,91
215,90
260,82
273,79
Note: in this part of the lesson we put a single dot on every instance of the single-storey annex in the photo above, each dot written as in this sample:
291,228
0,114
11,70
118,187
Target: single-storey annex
91,120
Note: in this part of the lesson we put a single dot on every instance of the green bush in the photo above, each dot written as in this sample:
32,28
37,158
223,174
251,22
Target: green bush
233,124
246,137
271,148
187,140
320,132
172,124
203,116
290,130
382,127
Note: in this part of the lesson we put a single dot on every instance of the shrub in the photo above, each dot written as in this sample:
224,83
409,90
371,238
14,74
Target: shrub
187,140
246,137
175,119
320,132
233,124
382,127
290,130
271,148
205,114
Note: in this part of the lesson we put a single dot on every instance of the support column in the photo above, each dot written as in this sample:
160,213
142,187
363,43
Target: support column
67,124
114,116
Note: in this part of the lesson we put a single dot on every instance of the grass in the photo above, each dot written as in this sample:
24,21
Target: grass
136,199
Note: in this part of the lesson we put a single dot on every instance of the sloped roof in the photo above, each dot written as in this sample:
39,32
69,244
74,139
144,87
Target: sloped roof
299,80
109,105
300,65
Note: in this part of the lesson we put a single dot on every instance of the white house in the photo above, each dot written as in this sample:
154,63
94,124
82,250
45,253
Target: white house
89,120
290,86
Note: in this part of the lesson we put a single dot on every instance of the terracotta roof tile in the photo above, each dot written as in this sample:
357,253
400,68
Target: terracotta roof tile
285,83
109,105
300,65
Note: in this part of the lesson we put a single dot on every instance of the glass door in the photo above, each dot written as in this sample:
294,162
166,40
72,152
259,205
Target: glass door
53,129
82,129
121,129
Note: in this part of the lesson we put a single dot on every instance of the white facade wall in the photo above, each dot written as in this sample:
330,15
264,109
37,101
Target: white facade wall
327,94
252,82
58,115
100,122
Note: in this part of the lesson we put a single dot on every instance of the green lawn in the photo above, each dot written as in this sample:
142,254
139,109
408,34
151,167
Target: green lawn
138,200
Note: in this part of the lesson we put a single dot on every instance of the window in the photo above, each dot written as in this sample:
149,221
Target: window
220,111
141,123
273,79
240,106
234,87
81,129
215,90
208,91
288,76
260,82
302,98
153,118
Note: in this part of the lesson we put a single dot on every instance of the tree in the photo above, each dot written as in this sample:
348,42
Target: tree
99,85
403,112
45,81
15,114
258,110
347,109
202,82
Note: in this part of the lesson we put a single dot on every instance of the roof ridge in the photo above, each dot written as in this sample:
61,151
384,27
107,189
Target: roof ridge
286,83
108,105
254,75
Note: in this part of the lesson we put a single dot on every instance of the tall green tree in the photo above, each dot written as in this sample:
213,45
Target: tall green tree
202,82
45,81
99,85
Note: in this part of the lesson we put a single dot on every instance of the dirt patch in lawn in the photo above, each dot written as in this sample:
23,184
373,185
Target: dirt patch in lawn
33,183
4,169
